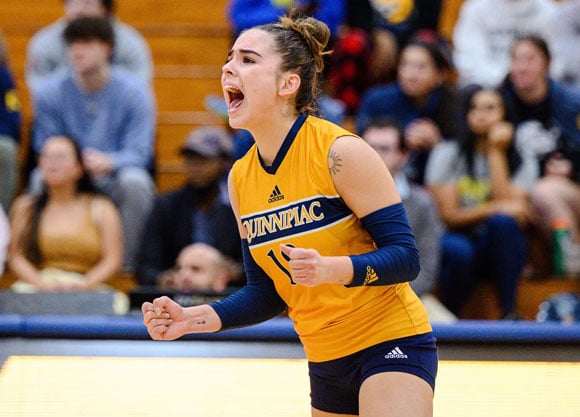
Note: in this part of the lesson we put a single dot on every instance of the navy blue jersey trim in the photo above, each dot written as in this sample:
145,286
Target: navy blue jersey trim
297,218
285,145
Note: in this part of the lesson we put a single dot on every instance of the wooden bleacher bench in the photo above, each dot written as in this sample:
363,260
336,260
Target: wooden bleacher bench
188,39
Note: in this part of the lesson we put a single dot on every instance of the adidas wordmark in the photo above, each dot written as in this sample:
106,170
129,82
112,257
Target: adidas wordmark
396,353
276,195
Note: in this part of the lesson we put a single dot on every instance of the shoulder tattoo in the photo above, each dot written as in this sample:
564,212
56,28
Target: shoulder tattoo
334,162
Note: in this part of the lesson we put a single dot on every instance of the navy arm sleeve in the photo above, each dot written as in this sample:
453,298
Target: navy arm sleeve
396,258
257,301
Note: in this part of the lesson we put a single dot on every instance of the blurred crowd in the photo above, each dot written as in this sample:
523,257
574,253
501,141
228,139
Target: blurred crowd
480,129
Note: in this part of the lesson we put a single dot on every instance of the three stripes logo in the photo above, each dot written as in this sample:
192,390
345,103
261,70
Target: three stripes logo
371,276
276,195
396,353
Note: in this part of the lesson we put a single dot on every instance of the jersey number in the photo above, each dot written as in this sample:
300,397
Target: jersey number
282,268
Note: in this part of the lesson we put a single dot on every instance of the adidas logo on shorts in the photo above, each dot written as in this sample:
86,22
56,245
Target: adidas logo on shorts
396,353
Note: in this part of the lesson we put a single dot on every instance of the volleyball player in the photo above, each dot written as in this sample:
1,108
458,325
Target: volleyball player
324,236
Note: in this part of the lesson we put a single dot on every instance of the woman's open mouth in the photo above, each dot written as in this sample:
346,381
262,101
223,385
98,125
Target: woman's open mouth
235,97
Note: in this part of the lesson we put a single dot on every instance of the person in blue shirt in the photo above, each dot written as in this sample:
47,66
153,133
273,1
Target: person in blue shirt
547,120
244,14
112,116
422,100
10,120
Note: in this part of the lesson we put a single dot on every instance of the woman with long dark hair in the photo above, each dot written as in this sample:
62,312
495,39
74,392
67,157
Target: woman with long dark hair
67,238
423,100
480,185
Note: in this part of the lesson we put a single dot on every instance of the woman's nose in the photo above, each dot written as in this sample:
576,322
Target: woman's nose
227,68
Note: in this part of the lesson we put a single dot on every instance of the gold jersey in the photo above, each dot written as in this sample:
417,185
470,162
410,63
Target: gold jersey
295,202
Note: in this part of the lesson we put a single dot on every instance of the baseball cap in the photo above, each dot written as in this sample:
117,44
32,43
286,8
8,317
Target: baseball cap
209,142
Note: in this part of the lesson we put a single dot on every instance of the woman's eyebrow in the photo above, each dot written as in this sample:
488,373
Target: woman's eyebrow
244,51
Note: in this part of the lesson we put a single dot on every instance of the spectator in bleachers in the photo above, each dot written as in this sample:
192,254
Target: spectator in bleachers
565,29
402,19
68,237
112,115
485,31
199,211
481,185
47,50
387,137
423,100
547,118
545,111
9,130
4,239
366,52
245,14
201,268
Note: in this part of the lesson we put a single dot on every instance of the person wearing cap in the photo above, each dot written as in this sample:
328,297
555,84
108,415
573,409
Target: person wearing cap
198,211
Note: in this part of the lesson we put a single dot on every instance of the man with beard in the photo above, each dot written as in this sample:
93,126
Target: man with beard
199,211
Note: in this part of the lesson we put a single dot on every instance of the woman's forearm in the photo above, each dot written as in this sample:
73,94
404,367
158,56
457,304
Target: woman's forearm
25,270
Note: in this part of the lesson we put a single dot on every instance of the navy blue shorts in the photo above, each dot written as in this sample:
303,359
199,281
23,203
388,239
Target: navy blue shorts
335,384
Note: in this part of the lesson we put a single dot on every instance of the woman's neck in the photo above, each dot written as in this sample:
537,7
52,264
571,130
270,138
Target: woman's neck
62,194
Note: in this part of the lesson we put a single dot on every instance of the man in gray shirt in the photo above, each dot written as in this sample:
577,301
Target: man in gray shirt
46,52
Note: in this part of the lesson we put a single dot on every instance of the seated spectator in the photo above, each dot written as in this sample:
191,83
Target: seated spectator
47,50
200,268
367,49
423,100
404,18
546,114
565,31
387,138
199,211
4,239
68,238
9,131
245,14
111,115
485,31
480,185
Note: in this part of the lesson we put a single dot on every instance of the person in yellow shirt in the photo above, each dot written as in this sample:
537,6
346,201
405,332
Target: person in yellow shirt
324,235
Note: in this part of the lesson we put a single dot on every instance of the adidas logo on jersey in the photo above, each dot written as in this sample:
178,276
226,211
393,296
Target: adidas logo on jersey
396,353
371,276
276,195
